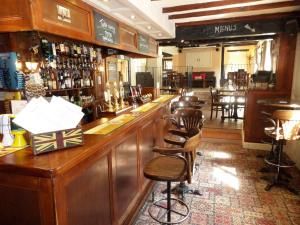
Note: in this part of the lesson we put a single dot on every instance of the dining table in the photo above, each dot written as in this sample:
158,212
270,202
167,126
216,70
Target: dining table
235,100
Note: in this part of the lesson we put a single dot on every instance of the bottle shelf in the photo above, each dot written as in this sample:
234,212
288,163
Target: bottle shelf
67,89
10,90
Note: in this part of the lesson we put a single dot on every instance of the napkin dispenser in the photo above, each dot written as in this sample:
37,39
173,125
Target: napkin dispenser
52,141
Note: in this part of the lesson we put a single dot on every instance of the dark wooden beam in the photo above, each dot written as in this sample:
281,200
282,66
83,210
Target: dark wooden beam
240,19
204,5
236,9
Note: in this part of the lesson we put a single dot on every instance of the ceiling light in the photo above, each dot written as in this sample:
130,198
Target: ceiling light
132,17
105,0
149,27
159,34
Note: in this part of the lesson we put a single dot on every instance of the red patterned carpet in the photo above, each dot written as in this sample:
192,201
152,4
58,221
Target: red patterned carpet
232,191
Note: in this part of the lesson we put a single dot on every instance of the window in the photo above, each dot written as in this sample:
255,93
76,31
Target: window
167,64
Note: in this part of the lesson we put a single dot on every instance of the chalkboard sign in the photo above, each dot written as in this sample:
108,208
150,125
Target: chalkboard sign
228,30
106,30
143,43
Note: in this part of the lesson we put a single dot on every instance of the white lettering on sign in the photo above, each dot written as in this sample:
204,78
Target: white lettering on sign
63,14
225,28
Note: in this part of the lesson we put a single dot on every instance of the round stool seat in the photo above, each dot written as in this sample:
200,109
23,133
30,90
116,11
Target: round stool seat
165,168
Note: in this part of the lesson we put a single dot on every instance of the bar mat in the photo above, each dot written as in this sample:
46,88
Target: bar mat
111,125
145,108
163,98
8,150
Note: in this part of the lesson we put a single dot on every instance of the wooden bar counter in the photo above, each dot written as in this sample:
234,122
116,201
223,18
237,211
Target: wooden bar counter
99,183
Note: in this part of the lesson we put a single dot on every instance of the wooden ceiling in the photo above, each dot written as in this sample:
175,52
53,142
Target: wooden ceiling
191,12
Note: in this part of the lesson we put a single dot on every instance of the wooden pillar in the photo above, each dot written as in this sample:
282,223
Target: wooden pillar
286,59
222,80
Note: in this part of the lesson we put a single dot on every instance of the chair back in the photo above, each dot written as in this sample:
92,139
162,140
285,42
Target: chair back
287,124
190,149
192,119
214,95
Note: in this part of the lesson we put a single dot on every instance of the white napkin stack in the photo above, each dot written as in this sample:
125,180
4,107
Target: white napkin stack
40,116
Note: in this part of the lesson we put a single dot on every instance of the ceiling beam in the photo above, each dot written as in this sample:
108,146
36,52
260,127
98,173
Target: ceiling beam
236,9
240,19
204,5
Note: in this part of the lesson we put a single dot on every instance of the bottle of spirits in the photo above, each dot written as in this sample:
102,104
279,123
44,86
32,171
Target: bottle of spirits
45,48
53,80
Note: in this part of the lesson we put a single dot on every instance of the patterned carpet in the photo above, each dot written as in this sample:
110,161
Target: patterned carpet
232,191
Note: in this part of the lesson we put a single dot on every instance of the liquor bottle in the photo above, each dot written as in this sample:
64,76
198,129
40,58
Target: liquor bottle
62,48
45,48
78,50
84,50
74,51
57,48
49,80
53,79
67,49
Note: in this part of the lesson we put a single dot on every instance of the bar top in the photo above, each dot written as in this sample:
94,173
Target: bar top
51,164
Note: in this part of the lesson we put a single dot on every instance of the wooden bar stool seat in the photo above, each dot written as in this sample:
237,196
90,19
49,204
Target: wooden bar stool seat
169,169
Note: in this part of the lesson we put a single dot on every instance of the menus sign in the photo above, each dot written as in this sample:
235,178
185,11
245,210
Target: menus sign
106,30
228,30
143,43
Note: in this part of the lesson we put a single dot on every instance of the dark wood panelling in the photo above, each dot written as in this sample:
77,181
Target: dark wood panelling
14,202
286,59
153,46
125,174
146,147
128,37
254,123
80,27
87,196
25,200
15,15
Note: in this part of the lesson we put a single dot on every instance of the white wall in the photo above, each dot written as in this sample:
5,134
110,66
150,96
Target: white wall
293,147
136,65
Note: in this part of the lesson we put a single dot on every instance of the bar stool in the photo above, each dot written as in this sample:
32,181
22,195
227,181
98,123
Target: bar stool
171,167
287,129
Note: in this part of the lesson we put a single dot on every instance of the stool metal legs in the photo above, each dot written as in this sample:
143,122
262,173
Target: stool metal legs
277,161
169,209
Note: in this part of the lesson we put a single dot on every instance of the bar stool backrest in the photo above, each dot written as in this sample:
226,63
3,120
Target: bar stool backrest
287,124
192,119
190,148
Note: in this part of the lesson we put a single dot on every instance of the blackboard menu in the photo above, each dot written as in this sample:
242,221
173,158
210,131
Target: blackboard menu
106,30
143,43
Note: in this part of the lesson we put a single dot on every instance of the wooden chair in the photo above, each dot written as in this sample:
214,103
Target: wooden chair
188,122
171,167
286,128
216,104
